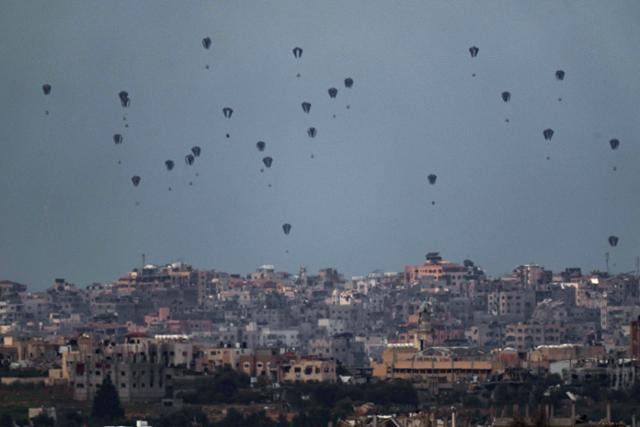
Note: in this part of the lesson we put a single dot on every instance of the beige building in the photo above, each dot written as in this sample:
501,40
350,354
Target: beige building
410,364
306,369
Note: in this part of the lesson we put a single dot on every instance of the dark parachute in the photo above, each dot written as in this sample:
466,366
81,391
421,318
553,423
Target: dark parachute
560,75
196,150
473,50
432,178
548,134
297,52
333,92
227,112
348,82
614,143
306,107
260,145
117,138
286,228
506,96
206,42
124,98
189,159
312,132
613,241
169,164
267,161
46,88
136,180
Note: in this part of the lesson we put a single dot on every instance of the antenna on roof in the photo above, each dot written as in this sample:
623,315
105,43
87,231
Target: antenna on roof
144,260
606,260
637,266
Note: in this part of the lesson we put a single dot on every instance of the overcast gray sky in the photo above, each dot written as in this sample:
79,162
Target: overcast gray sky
69,209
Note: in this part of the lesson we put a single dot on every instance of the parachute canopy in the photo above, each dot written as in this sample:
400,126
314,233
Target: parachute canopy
348,82
473,50
548,134
135,180
260,145
227,112
333,92
286,227
169,164
312,132
124,98
206,42
613,241
297,52
432,178
46,88
117,138
306,107
189,159
267,161
560,75
614,143
196,150
506,96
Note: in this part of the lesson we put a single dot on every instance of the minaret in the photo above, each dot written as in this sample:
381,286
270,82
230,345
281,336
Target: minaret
424,334
302,276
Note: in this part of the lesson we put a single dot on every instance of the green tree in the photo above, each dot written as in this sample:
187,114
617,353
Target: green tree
106,403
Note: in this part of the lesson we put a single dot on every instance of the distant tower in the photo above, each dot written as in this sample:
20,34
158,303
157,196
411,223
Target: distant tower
606,260
424,334
302,276
144,261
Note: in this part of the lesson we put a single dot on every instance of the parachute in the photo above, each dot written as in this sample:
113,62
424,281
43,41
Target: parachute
189,159
46,88
117,138
432,178
548,134
333,92
613,241
135,180
560,75
306,107
169,164
473,50
506,96
267,161
348,82
206,42
614,143
286,228
227,112
124,98
260,145
196,150
312,132
297,52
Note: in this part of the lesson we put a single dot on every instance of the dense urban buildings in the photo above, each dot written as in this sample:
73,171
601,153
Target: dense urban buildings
441,326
